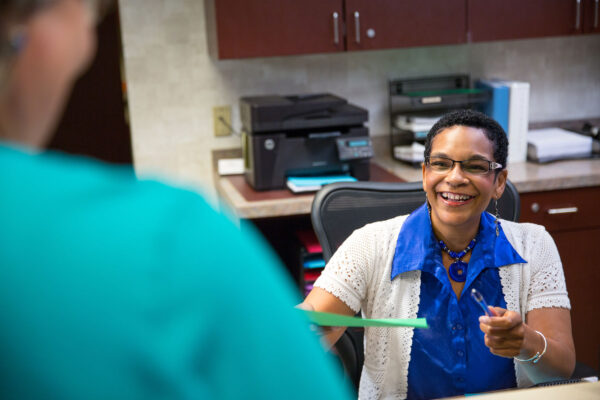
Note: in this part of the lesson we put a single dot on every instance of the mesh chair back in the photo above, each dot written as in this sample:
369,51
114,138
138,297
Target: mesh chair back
340,208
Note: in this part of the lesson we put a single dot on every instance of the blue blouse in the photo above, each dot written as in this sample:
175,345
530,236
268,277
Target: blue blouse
451,358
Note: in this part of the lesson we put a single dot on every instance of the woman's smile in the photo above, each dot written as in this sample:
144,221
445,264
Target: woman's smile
454,199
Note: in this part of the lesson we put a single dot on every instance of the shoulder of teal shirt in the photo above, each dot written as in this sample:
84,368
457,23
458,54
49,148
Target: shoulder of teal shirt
157,293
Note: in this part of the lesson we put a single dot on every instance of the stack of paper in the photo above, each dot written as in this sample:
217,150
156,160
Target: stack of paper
230,166
413,153
298,184
556,144
415,123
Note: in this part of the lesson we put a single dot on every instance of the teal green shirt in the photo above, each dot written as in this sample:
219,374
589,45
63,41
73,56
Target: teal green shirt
115,288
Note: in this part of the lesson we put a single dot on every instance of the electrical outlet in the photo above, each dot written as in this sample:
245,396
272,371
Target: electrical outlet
222,120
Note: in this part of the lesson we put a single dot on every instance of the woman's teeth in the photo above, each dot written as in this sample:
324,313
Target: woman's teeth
456,197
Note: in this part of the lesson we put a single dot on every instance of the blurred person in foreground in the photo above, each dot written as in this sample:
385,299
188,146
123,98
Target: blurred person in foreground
116,288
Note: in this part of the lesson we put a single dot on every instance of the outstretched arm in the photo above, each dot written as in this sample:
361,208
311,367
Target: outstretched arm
321,300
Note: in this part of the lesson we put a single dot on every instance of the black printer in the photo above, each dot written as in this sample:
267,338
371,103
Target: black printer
302,135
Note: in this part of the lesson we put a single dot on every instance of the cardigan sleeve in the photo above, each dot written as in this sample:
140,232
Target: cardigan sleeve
547,287
346,274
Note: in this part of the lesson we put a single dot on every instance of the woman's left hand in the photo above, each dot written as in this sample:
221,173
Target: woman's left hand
504,333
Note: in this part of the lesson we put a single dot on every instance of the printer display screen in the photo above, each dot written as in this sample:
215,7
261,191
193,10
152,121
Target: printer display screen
357,143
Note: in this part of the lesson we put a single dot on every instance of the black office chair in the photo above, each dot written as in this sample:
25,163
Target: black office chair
340,208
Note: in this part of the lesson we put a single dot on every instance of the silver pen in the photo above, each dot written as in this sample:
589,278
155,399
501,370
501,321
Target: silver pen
478,297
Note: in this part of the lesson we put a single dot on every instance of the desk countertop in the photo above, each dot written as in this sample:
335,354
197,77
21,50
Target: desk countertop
575,391
526,176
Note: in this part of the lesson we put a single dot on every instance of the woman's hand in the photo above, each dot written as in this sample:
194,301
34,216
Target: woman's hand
321,300
305,306
328,334
507,335
504,333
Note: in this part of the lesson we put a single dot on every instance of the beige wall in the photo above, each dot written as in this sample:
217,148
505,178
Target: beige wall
173,83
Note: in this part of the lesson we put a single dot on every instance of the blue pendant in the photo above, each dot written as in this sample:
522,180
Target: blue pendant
458,271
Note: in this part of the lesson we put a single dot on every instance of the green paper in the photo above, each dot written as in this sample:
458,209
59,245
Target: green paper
329,319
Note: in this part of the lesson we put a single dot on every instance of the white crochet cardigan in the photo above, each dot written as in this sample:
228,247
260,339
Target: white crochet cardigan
359,275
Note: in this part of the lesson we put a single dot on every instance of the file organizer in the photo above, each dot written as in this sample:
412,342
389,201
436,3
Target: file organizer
311,259
416,103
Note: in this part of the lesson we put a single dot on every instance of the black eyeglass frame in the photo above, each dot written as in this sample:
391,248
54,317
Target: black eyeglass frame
492,165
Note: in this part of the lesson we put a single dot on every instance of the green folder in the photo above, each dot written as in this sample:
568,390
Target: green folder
329,319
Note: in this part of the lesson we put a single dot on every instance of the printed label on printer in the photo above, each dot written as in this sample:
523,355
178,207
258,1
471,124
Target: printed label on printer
431,100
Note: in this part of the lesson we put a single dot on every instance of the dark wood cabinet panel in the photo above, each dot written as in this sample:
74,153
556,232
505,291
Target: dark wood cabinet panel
580,254
517,19
576,234
591,16
560,210
386,24
263,28
250,28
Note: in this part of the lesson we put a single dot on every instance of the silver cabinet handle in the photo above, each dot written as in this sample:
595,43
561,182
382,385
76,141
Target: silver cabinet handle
357,25
596,13
336,34
577,14
564,210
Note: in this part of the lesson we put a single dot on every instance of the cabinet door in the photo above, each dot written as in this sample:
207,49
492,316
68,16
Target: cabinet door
591,16
262,28
573,219
516,19
384,24
580,253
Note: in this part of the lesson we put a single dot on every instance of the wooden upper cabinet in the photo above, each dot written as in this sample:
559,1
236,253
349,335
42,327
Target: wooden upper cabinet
386,24
591,16
519,19
263,28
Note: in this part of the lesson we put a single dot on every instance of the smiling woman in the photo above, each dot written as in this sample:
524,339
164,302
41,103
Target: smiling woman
421,265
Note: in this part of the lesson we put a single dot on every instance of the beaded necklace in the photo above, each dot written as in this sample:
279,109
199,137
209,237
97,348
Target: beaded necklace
458,269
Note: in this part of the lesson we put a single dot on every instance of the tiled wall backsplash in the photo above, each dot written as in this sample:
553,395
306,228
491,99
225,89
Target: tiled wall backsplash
173,83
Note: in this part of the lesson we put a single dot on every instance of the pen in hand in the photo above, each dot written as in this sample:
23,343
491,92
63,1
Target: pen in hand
481,301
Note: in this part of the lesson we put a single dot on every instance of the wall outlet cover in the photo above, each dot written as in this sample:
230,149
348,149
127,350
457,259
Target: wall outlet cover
222,120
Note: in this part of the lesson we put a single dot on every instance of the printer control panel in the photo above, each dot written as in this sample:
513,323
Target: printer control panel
354,148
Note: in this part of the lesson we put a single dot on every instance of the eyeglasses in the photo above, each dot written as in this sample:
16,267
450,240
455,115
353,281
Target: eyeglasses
474,166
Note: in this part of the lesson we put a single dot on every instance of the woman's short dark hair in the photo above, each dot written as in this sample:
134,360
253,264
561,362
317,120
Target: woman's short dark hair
473,119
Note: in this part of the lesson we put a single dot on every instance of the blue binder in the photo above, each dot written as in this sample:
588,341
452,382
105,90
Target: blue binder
498,106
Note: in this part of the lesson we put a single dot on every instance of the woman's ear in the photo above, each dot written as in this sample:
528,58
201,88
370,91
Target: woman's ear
500,183
423,169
